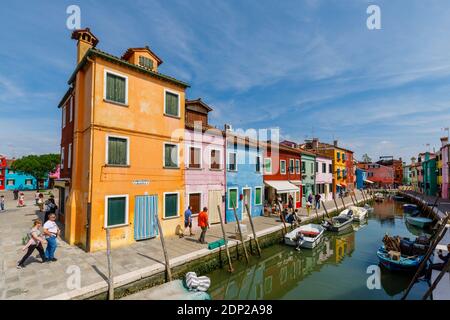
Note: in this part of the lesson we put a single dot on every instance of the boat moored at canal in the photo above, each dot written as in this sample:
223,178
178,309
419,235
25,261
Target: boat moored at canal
342,222
311,235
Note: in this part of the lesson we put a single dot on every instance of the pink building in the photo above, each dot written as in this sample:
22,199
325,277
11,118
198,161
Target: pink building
445,151
324,177
204,156
381,176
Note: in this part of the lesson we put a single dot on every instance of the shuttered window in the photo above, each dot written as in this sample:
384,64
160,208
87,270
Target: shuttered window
267,165
194,202
215,159
170,205
232,161
258,199
283,167
171,107
291,166
258,164
170,155
117,151
146,62
116,87
194,157
297,166
303,167
117,214
232,198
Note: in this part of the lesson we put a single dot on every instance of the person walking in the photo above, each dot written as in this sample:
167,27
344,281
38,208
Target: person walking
203,223
51,232
291,203
309,204
41,202
188,221
2,203
35,242
36,197
318,197
21,202
50,207
16,194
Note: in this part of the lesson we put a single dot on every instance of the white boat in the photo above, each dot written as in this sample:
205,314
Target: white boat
359,213
311,233
340,222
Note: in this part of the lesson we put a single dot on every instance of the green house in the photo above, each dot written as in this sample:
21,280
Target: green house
308,175
429,169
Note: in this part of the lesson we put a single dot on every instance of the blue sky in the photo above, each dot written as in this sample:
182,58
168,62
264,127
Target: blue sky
307,67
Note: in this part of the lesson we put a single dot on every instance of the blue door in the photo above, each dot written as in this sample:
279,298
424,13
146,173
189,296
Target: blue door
145,211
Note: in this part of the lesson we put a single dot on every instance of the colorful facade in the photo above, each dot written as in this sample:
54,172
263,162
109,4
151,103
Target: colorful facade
244,177
21,181
121,163
445,152
439,173
349,170
324,177
361,178
407,175
308,169
429,169
2,172
381,176
204,163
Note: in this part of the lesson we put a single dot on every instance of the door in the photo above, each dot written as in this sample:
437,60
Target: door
246,202
145,211
214,200
194,202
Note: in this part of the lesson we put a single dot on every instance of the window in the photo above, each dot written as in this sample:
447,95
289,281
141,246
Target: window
170,155
232,198
146,62
232,161
338,155
258,195
330,168
195,157
317,167
172,104
69,156
297,196
338,173
291,166
195,202
116,88
171,205
330,187
303,167
71,109
258,164
116,211
215,159
297,166
28,182
62,158
64,117
312,167
283,166
267,165
10,182
117,151
11,171
324,168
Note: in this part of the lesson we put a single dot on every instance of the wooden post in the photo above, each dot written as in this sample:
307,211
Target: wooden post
253,230
230,266
343,203
434,206
440,233
335,203
110,268
437,280
325,208
351,196
240,232
317,213
364,198
166,255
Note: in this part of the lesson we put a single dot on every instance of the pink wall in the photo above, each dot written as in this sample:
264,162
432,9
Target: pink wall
205,179
445,172
324,177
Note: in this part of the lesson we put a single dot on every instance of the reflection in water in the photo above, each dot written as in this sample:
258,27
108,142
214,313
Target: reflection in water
336,269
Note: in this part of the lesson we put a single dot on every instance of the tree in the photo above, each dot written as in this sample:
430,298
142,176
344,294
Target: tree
37,166
366,158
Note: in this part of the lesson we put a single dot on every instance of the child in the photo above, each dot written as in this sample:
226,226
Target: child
2,203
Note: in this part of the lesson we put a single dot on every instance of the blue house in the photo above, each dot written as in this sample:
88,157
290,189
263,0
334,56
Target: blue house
244,178
361,177
21,181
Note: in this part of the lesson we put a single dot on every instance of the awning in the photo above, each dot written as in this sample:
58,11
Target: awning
343,184
296,182
338,185
368,181
61,183
282,186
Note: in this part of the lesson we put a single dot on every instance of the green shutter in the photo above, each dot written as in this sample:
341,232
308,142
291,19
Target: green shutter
115,88
117,151
116,211
232,199
172,104
258,196
170,156
171,205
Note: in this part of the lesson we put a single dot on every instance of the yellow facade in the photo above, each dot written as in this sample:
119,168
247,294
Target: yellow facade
143,123
439,168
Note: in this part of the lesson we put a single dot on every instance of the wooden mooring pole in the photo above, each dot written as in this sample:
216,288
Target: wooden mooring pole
166,255
440,233
240,233
230,265
351,196
343,203
110,267
335,203
325,208
433,286
253,230
434,206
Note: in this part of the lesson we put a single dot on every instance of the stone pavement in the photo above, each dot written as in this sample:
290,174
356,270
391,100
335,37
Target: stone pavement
141,259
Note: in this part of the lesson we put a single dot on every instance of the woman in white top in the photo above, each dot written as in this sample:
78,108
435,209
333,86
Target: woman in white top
51,232
35,242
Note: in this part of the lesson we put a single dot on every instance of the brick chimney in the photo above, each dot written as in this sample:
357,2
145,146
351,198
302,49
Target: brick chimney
444,141
85,40
315,143
335,143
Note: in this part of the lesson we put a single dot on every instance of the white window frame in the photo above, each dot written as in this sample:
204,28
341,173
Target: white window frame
178,205
236,162
297,164
106,71
201,200
249,203
13,182
127,213
164,155
237,198
29,184
285,169
107,149
62,157
220,158
271,166
64,116
179,102
188,160
69,156
262,196
260,163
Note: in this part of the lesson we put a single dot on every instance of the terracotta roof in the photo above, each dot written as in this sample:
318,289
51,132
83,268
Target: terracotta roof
210,129
197,101
130,51
76,35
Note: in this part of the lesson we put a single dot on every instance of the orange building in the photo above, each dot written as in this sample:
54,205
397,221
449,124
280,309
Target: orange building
121,158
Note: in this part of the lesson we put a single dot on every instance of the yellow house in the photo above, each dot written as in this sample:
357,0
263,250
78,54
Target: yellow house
122,154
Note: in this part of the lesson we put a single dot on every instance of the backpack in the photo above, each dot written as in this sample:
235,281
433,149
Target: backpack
26,238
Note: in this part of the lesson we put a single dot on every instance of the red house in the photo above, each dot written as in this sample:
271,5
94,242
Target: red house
350,170
282,174
381,176
2,172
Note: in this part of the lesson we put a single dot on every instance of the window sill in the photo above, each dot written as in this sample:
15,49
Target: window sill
171,218
171,168
117,226
117,165
116,103
211,169
172,116
198,169
232,170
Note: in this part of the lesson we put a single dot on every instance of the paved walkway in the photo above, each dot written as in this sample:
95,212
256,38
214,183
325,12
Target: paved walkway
139,260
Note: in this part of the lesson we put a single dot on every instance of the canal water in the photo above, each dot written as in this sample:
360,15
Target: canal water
338,269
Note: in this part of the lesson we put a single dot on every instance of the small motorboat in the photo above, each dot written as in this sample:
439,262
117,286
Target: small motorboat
400,263
339,223
379,197
311,235
420,222
409,207
359,213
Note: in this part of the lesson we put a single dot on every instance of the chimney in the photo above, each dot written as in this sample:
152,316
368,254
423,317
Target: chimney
85,40
335,143
444,141
315,143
